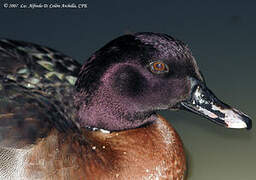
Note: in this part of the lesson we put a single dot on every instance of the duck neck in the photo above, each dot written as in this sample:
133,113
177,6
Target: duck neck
113,113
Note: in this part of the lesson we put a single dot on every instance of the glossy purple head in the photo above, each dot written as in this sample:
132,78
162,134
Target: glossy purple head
124,83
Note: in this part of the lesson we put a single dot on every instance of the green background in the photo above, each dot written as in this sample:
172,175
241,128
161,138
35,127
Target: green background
222,36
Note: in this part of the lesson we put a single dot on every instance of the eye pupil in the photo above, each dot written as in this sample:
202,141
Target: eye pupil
158,66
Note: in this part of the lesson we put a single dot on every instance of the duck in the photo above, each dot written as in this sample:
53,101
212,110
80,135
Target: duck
100,120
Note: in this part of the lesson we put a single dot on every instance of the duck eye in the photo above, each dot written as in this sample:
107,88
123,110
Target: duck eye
158,67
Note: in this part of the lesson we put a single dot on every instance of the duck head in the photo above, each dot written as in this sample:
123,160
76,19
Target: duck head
127,81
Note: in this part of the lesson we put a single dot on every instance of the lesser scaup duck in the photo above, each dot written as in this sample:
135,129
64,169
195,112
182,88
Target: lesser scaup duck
61,120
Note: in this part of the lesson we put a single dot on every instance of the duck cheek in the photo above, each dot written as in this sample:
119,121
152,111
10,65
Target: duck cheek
164,94
129,83
178,90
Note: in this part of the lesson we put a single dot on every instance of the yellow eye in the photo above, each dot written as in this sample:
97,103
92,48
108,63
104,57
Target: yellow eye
158,67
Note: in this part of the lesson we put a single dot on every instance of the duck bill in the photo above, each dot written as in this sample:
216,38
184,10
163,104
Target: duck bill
204,103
